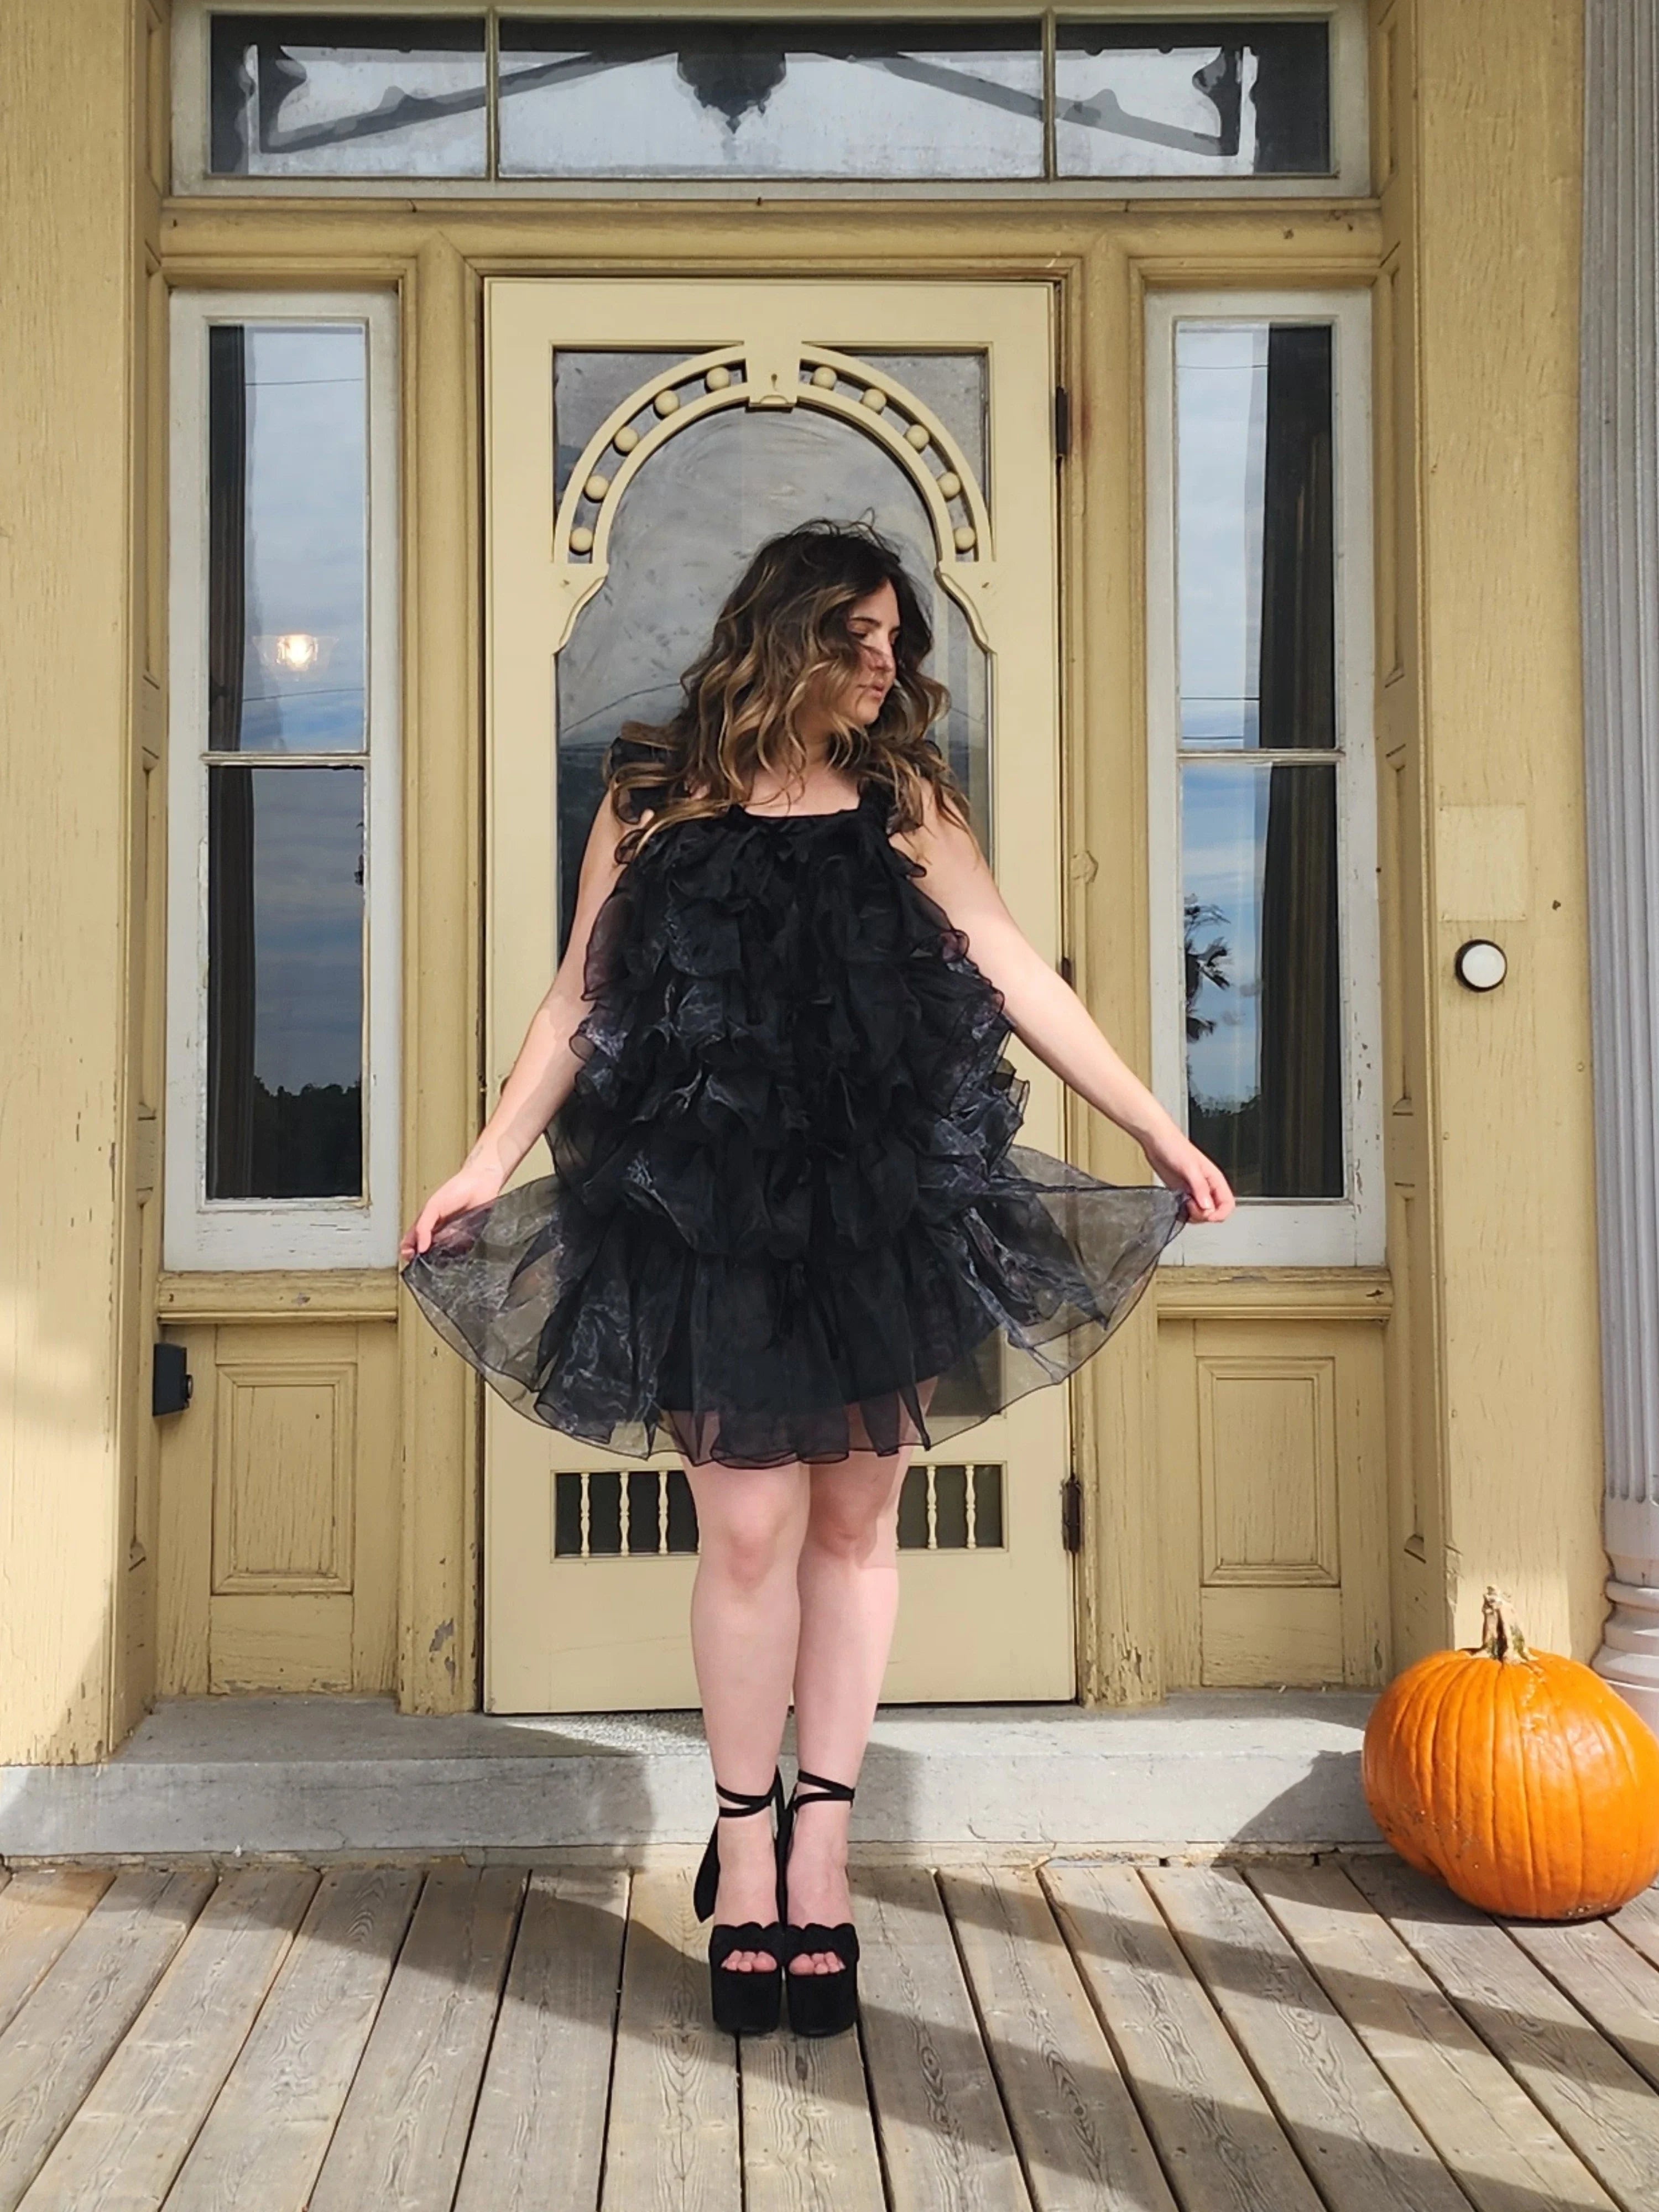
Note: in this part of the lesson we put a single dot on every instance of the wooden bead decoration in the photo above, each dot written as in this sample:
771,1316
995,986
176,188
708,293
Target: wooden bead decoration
824,378
666,402
581,541
596,487
965,539
626,439
949,484
718,378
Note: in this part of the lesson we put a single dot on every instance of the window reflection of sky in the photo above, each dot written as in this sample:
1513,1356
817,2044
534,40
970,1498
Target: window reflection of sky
305,537
1140,114
307,925
1221,380
1224,829
600,98
942,113
1221,397
358,110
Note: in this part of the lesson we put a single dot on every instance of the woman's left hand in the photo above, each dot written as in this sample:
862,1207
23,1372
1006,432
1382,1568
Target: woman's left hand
1182,1166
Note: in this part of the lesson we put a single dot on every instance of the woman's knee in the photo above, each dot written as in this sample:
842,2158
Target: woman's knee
856,1517
751,1533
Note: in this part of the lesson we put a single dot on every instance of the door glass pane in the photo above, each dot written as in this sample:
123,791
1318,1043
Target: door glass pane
1263,990
288,537
954,386
609,98
297,96
588,383
1255,557
1192,98
686,526
285,981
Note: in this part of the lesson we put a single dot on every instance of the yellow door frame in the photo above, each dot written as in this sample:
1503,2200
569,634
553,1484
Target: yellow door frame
1102,260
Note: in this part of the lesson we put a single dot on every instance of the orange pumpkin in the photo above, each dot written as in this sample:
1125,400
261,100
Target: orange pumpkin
1518,1776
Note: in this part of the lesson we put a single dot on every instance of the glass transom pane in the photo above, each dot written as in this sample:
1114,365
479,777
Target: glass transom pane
1255,583
1226,98
605,98
287,531
302,95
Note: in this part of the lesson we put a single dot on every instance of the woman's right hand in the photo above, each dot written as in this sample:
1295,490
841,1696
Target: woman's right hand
472,1184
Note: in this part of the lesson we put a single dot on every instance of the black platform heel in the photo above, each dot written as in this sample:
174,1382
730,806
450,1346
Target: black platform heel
819,2004
744,2003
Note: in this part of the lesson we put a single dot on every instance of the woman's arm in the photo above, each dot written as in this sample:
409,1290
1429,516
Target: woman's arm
1048,1016
546,1068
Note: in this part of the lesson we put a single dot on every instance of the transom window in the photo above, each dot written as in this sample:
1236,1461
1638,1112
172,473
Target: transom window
1263,97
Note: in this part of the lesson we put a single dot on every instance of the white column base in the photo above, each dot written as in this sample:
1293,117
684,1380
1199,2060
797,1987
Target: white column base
1629,1657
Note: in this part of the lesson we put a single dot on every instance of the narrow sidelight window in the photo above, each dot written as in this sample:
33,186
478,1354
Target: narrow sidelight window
1260,639
283,790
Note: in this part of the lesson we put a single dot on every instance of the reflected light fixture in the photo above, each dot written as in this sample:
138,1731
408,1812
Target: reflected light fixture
294,652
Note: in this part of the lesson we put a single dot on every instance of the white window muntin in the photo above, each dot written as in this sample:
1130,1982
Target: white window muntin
1294,1232
225,1234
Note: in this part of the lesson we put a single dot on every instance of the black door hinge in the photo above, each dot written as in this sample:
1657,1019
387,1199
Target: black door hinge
1071,1514
1062,422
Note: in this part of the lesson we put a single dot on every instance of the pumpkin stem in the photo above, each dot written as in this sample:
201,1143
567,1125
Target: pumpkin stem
1500,1632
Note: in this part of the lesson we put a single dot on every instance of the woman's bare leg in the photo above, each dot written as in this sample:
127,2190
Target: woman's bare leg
848,1584
745,1625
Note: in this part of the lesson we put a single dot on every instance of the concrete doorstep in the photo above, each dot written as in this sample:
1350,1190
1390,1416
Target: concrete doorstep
1257,1770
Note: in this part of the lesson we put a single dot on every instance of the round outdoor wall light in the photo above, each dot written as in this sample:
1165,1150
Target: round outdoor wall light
1481,964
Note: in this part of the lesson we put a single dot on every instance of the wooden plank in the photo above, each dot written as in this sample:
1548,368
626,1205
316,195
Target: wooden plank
400,2140
1365,2152
537,2138
673,2139
1081,2140
1483,2124
1605,1977
61,2039
40,1910
944,2139
1638,1923
264,2141
1590,2092
1221,2147
808,2138
123,2147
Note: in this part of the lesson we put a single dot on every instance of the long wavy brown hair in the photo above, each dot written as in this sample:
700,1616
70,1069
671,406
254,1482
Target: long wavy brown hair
781,643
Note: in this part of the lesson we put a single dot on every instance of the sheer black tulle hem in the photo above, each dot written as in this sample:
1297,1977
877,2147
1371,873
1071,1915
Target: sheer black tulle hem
619,1337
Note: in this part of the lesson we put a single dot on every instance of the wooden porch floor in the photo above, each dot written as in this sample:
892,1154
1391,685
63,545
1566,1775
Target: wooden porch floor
1282,2035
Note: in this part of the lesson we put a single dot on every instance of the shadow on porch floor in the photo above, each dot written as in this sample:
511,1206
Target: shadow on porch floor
1314,2034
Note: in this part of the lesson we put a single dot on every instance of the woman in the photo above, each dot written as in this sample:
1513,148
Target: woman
787,1206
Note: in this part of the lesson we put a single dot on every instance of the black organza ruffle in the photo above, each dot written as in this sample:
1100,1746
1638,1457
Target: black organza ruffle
787,1217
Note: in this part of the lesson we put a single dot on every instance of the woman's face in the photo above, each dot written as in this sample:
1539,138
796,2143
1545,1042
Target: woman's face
873,624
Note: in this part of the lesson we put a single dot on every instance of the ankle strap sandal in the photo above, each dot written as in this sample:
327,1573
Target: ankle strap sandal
745,2001
819,2004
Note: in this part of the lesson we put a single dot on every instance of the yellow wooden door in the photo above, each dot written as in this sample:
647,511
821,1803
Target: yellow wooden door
642,438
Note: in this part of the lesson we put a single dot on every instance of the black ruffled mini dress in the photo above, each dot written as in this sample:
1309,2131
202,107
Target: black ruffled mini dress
787,1219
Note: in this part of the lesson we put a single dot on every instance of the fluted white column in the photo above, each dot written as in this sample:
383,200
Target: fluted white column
1620,525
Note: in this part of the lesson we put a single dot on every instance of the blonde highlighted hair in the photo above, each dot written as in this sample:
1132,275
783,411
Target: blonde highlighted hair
781,642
